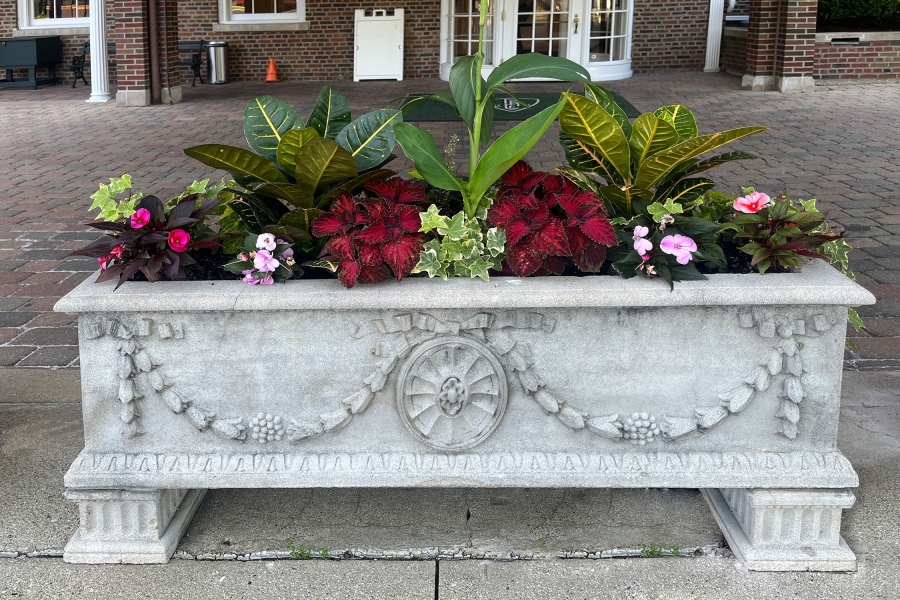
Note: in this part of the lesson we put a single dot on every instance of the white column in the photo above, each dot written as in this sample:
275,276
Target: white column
714,34
99,68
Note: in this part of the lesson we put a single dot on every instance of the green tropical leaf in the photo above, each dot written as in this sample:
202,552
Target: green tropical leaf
297,195
715,161
523,66
579,178
686,190
351,186
266,120
507,150
650,135
419,146
622,197
680,118
322,161
289,145
602,97
464,74
660,164
330,114
323,264
587,122
686,272
300,219
370,138
583,157
237,161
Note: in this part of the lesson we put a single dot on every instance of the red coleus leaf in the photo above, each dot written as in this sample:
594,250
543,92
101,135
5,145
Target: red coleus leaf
409,218
591,258
504,212
557,184
403,254
398,190
549,240
344,215
370,254
340,246
374,273
578,241
516,173
522,260
599,229
348,272
554,264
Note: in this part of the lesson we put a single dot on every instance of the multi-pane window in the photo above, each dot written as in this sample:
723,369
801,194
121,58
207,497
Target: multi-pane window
609,30
261,11
263,7
543,26
464,30
58,9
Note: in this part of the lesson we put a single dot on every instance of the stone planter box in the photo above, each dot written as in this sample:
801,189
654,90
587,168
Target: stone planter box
730,385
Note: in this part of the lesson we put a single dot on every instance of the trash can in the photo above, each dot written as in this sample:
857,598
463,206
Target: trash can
217,62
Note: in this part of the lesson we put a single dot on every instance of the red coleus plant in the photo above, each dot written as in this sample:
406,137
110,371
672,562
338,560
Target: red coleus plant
548,220
371,238
150,241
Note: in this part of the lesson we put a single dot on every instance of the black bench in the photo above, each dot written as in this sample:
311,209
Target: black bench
80,62
196,49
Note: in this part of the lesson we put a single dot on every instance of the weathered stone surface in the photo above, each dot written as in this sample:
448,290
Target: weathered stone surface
479,367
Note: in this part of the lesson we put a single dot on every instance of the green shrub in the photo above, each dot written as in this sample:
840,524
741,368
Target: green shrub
859,12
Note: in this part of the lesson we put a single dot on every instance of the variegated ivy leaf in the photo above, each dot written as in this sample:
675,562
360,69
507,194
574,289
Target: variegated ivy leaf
456,229
658,211
429,263
496,241
431,219
479,268
105,199
809,205
453,251
198,187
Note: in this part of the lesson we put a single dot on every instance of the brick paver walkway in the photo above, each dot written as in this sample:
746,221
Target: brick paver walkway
840,145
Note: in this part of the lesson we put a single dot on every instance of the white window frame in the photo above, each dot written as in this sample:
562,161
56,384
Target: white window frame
227,18
28,21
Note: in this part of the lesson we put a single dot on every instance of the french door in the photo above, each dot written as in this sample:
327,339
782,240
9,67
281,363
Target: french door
594,33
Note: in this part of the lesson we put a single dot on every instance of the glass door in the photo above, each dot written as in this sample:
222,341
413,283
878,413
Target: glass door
542,26
607,50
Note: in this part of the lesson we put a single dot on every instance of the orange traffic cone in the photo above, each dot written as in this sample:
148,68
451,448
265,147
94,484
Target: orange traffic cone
271,72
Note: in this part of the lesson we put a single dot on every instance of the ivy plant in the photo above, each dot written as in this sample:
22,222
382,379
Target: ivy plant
461,247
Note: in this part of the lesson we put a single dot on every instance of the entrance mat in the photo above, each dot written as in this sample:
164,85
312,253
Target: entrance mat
506,108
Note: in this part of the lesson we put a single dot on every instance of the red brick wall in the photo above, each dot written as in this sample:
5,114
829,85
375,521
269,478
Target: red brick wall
733,57
669,34
167,24
761,37
71,44
868,60
796,38
325,52
132,54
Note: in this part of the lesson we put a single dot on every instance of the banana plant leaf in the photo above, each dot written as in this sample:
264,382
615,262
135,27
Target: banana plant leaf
587,122
508,150
463,76
330,114
266,120
419,145
523,66
240,163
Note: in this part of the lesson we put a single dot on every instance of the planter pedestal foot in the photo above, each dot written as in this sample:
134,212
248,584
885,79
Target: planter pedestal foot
786,529
132,526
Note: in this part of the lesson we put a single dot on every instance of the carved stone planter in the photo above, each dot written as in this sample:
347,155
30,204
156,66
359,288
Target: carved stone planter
730,385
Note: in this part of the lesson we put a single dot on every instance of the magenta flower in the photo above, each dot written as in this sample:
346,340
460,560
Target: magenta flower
679,246
642,246
265,262
117,251
179,240
266,241
104,261
140,218
248,277
751,203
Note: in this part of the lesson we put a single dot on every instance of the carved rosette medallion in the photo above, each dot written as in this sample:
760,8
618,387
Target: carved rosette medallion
451,393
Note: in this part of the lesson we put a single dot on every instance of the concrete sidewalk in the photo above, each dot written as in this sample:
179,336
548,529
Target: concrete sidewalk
839,144
458,543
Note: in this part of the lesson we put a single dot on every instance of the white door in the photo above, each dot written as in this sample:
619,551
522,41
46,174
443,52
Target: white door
594,33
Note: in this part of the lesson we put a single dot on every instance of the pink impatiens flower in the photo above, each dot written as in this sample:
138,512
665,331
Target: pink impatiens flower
642,246
117,251
751,203
265,262
248,277
679,246
179,240
104,261
266,241
140,218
